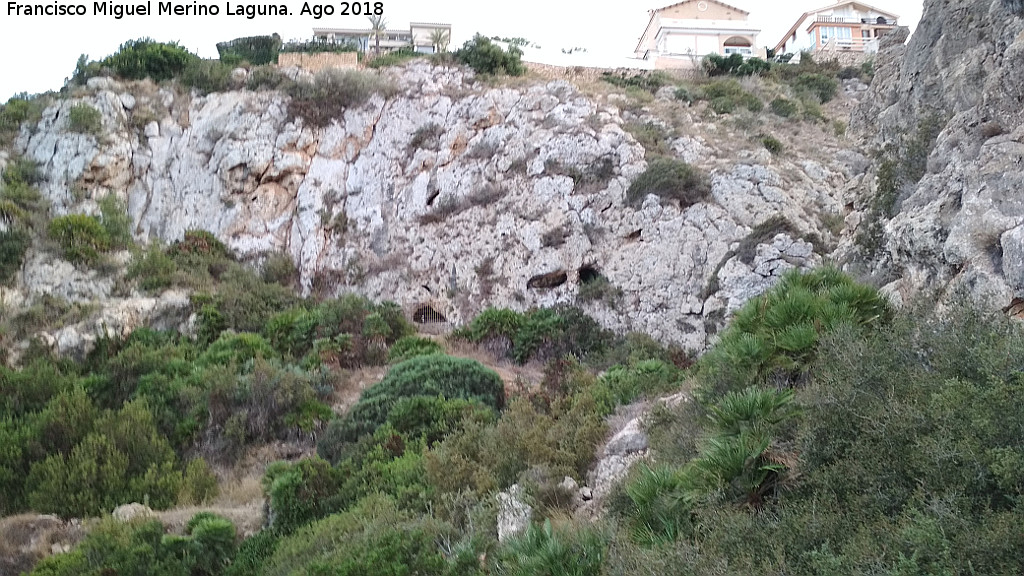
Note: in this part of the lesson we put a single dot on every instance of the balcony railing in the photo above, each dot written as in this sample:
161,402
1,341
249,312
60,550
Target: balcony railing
832,45
880,21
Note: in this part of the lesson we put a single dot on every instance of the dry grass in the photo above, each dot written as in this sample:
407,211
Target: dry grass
26,539
248,518
513,375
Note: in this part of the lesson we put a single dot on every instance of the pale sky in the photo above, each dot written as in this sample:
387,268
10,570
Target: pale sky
42,50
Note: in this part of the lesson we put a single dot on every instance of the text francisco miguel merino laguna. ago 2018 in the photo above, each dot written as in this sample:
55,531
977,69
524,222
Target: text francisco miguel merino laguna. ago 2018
148,8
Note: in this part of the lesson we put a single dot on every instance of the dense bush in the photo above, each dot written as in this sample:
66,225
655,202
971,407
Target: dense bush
374,538
394,58
669,179
486,57
431,376
648,81
332,92
772,144
82,238
13,245
823,87
482,456
734,64
138,59
301,493
256,50
206,76
623,384
724,96
84,119
773,338
18,109
568,551
116,221
141,547
785,108
410,346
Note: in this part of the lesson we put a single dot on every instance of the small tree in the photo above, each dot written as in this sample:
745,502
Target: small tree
439,39
486,57
378,25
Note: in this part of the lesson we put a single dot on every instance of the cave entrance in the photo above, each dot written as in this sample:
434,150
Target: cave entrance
589,274
426,314
549,280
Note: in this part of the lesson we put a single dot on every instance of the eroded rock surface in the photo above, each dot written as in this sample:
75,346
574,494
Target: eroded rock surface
451,195
961,76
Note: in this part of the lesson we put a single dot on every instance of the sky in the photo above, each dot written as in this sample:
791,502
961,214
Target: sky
42,50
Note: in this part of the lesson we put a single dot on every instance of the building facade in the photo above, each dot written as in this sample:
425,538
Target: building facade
680,35
843,27
419,37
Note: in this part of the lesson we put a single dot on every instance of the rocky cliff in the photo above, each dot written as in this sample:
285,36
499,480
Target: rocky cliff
947,111
453,195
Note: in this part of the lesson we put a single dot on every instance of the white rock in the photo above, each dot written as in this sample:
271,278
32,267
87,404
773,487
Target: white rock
513,514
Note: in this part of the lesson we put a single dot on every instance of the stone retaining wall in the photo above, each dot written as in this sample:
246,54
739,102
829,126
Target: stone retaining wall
319,61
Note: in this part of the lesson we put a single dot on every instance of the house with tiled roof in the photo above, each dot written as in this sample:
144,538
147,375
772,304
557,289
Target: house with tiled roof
681,34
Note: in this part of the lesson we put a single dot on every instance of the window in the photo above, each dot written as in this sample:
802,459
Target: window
840,33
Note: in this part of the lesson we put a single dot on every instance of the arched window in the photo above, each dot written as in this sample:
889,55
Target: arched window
738,45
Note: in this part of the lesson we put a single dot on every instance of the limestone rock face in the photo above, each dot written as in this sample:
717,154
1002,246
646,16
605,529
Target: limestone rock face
450,194
513,514
961,75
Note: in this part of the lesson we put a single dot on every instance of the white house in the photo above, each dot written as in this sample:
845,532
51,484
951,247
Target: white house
680,35
417,37
845,26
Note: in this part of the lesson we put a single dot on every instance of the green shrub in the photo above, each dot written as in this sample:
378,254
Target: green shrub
206,76
394,58
199,243
19,109
409,346
492,323
332,92
658,505
116,221
141,547
773,338
560,435
485,57
138,59
374,538
683,94
198,484
22,171
669,179
301,493
433,418
784,108
81,238
84,119
646,81
823,87
152,267
624,384
256,50
772,144
279,268
124,460
434,375
253,552
651,136
13,245
570,551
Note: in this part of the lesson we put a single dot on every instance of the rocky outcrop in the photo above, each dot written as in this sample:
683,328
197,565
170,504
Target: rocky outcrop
514,513
450,195
957,222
